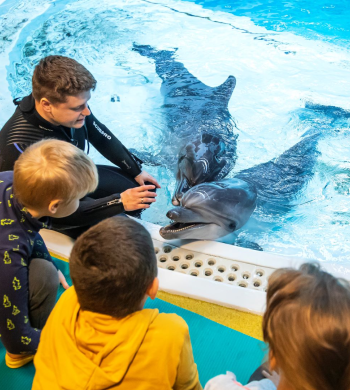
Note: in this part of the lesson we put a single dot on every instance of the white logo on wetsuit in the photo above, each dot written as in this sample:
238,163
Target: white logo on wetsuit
101,131
126,164
44,128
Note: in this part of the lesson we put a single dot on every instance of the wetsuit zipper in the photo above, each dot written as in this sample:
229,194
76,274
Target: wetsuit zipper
103,206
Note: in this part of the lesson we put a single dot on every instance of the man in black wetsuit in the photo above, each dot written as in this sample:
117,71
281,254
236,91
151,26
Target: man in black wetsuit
57,108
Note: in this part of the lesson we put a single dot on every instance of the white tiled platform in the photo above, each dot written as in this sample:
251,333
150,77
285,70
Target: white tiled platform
206,270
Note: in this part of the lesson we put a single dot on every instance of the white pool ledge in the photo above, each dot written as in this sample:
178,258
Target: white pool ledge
246,262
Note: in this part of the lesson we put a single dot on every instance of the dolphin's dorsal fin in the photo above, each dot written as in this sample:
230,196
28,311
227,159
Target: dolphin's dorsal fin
224,91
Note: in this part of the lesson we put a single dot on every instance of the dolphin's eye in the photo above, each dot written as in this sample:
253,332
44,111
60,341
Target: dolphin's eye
232,225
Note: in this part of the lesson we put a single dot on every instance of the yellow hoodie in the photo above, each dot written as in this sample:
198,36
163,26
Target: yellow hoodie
84,350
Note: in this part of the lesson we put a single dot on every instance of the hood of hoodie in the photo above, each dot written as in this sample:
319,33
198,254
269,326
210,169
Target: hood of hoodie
100,348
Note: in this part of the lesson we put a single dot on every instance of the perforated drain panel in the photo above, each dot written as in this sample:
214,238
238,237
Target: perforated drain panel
216,268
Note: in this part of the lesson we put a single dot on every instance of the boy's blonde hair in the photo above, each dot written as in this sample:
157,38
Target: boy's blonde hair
50,170
307,327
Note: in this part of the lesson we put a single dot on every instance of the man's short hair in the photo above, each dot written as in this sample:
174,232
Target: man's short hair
56,77
50,170
112,265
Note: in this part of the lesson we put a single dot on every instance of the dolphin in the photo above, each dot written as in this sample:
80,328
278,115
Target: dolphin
201,138
213,210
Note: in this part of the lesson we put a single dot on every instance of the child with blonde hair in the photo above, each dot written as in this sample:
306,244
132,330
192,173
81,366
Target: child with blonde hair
48,180
307,327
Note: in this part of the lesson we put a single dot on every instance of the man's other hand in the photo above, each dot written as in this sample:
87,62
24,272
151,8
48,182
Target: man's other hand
144,177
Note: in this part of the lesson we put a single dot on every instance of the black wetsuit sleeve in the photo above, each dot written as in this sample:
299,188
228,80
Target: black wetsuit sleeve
111,148
8,157
91,211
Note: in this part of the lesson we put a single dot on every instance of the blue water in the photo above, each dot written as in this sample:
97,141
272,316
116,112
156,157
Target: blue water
282,53
315,19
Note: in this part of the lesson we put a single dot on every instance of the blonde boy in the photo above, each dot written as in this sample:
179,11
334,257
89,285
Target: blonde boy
48,180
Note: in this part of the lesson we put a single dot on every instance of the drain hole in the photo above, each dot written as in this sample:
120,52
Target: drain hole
156,250
176,258
198,264
231,278
167,249
235,267
171,268
257,283
208,272
194,273
218,279
221,269
163,259
245,275
189,257
242,284
211,261
184,266
259,272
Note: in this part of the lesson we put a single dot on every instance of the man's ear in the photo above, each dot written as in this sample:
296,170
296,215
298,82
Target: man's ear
153,288
54,205
45,104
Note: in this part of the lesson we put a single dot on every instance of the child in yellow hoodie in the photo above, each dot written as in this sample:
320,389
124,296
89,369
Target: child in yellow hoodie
99,336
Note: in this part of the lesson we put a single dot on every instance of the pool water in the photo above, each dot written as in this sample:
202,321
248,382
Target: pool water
318,19
283,55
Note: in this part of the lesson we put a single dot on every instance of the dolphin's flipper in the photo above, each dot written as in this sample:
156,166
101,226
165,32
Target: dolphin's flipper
279,180
247,244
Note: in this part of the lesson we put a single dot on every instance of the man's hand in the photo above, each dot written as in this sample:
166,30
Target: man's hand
143,177
135,198
274,377
63,280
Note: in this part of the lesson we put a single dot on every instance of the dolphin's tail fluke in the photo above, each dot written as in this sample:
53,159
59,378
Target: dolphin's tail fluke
151,52
185,83
326,120
224,91
331,111
164,60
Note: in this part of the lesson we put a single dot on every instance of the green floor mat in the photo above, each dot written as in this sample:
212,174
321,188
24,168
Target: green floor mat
216,348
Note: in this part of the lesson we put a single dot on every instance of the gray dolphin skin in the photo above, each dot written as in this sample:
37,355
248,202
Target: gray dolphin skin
200,144
212,210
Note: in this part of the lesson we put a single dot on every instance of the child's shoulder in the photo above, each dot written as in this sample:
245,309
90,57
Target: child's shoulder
6,181
6,177
171,322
